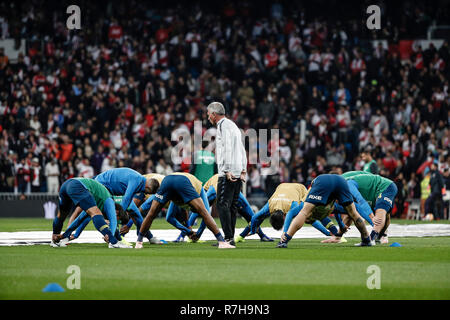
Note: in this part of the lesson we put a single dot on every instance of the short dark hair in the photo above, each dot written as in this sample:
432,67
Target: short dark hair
154,184
122,214
277,219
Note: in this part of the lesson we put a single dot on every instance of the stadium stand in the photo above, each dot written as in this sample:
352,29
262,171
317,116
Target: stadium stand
112,93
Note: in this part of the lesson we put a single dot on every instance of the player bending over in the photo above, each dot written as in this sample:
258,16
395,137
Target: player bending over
244,209
325,189
286,198
380,193
94,199
181,188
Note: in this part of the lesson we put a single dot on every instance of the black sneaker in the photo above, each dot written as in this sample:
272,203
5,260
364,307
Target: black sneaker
231,242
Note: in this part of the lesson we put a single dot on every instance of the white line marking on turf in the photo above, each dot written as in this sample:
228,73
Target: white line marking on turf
395,230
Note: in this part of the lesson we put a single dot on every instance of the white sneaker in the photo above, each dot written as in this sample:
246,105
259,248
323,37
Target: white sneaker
225,245
139,245
61,244
54,244
155,240
119,245
64,242
384,240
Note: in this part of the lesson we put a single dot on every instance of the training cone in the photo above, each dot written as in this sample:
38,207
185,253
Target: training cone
53,287
395,244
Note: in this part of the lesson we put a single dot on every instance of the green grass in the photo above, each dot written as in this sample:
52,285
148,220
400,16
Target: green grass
255,270
306,270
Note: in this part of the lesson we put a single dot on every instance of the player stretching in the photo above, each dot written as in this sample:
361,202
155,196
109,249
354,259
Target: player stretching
244,209
131,184
182,189
281,206
93,198
135,214
380,193
325,189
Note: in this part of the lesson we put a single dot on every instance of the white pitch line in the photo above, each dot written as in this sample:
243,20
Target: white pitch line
395,230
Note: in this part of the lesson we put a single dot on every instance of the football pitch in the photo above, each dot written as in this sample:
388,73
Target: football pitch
308,269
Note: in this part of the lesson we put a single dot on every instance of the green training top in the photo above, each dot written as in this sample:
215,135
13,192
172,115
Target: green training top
204,165
369,185
371,167
98,191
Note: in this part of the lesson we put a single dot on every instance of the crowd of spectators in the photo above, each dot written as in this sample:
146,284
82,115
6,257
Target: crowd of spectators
111,94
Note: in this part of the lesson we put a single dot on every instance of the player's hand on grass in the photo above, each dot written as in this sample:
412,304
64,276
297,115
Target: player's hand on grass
56,237
71,238
332,239
194,237
124,230
106,238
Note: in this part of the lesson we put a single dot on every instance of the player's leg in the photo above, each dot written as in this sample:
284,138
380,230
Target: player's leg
82,220
296,224
202,227
245,210
171,215
155,208
258,218
80,229
199,207
383,205
359,223
74,215
383,236
100,223
65,205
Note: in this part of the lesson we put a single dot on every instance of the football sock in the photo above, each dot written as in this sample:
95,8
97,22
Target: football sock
245,232
102,227
260,233
219,237
57,225
333,230
288,238
374,235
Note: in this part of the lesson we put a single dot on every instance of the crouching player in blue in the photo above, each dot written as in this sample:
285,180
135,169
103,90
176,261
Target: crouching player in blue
182,189
83,220
244,209
94,199
135,214
325,189
130,184
380,193
281,205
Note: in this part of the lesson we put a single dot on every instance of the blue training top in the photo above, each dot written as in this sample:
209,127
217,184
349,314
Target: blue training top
123,181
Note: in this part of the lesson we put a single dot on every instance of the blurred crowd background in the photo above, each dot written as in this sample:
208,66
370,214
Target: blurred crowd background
113,93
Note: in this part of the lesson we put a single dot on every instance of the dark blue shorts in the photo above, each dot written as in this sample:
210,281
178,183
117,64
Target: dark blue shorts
74,193
328,187
386,199
176,188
